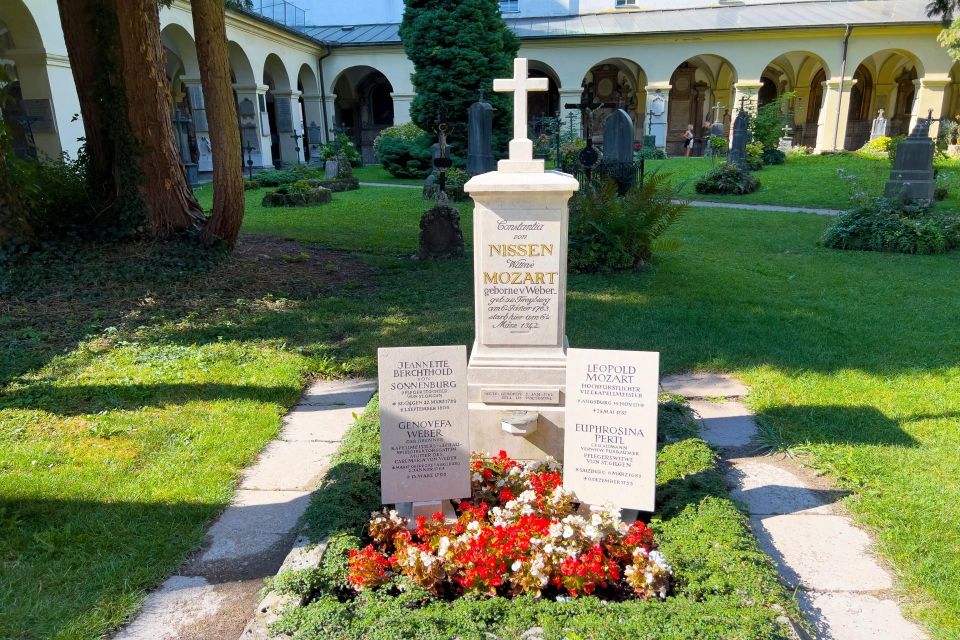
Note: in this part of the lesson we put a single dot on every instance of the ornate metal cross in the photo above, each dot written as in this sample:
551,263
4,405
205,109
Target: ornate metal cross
520,147
296,144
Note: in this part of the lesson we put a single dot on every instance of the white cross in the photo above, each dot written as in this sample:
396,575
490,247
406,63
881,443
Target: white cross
520,147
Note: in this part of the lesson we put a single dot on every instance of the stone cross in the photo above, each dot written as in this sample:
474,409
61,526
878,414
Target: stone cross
718,108
786,130
521,148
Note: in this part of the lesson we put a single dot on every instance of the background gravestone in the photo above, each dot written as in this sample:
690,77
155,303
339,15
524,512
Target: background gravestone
741,136
618,137
480,138
617,163
880,128
912,173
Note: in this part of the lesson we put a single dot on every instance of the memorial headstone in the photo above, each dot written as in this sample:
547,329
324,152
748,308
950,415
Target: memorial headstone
912,175
610,442
786,140
480,138
881,126
516,372
658,120
741,136
618,137
314,141
424,448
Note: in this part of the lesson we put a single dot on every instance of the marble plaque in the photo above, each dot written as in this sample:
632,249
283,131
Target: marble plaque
424,437
283,115
520,396
519,276
610,436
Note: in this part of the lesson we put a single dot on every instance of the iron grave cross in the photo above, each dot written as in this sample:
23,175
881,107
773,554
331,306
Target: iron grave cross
521,149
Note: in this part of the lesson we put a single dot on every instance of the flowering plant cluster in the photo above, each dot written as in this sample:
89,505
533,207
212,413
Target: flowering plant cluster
518,534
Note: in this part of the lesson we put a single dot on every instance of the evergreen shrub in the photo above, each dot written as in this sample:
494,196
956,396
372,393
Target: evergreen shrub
727,178
408,132
404,158
773,156
456,178
610,232
649,153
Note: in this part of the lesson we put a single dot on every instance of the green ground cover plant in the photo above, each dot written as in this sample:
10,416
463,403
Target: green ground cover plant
698,528
376,173
135,384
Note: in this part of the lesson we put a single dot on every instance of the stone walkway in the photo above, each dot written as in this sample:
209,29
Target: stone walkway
842,588
388,184
214,592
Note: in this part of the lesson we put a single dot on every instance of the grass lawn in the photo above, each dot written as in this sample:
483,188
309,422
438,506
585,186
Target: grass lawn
135,384
803,181
717,563
376,173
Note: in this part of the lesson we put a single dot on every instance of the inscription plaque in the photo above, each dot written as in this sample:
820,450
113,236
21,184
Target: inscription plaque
610,437
521,396
283,115
519,276
424,438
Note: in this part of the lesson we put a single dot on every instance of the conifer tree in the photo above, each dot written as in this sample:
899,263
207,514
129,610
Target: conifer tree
457,47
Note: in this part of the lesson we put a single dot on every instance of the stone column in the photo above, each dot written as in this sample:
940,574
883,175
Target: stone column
332,122
658,100
832,130
930,92
748,89
287,112
200,126
314,121
801,102
401,107
257,95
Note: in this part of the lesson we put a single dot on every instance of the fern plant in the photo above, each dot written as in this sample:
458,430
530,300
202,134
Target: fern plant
610,232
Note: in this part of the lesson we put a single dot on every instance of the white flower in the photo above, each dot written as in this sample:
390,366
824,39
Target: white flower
516,566
427,558
567,532
591,532
548,548
443,546
555,529
476,477
473,526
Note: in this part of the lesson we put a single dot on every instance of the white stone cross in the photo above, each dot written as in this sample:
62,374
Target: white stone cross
521,149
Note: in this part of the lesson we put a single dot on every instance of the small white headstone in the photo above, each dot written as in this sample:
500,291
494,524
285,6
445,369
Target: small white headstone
424,437
610,438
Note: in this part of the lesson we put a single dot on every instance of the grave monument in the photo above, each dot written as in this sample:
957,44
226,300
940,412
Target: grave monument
880,127
480,137
618,134
912,173
741,136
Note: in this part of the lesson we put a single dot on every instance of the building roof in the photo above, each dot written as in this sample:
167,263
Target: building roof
789,14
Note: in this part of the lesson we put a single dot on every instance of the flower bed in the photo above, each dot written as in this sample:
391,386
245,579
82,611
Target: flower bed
724,586
518,535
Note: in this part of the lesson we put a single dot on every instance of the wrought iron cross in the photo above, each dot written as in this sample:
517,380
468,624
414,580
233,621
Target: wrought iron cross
249,150
520,84
650,115
296,144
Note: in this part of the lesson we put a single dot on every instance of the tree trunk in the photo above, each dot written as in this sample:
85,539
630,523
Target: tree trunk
171,204
210,28
88,48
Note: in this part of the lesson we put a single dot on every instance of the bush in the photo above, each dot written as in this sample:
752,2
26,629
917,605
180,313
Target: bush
570,155
718,144
767,125
280,177
728,179
754,156
649,153
877,146
408,132
456,178
894,145
299,194
407,158
773,156
799,150
341,142
610,232
894,224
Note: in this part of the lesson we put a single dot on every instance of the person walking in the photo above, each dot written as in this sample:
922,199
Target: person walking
688,137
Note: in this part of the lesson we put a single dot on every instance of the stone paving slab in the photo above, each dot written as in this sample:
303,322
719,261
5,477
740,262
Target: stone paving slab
769,489
254,523
856,616
703,385
725,424
821,552
289,466
764,207
214,592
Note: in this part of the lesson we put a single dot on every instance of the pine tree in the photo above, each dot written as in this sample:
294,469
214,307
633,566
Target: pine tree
457,47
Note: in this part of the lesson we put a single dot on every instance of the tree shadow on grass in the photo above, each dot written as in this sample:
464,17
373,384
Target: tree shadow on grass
785,425
71,400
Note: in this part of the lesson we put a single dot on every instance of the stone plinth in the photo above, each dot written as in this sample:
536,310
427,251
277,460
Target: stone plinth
913,169
518,360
